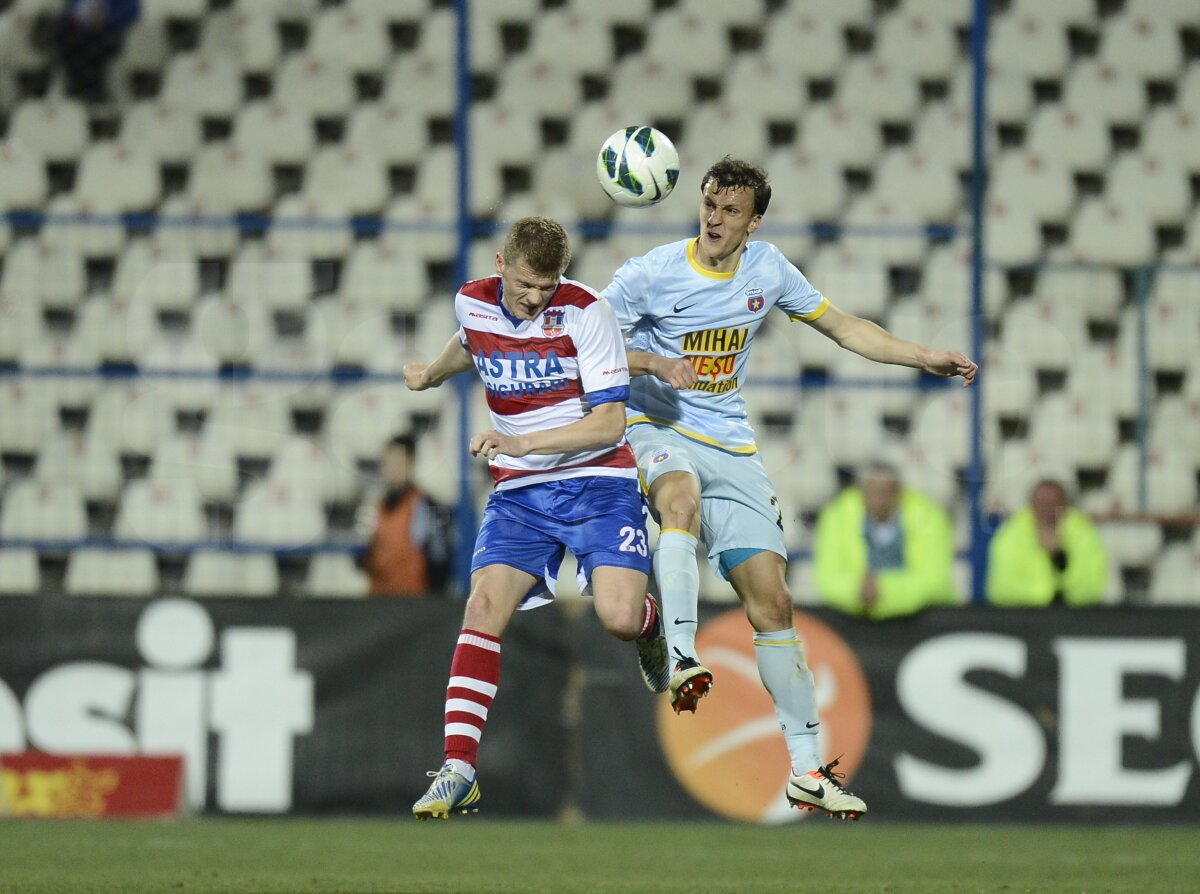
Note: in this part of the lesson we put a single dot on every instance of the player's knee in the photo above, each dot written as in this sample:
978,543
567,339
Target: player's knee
680,510
624,621
770,610
482,610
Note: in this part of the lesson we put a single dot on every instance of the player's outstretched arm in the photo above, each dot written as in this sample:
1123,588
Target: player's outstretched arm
455,358
678,372
875,343
604,426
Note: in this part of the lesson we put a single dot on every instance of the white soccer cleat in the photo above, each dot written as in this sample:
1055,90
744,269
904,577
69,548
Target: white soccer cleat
820,789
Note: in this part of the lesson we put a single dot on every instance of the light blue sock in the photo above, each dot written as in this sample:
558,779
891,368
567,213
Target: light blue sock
679,588
786,675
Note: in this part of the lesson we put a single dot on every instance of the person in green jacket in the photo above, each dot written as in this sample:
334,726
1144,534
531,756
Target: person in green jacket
1048,552
883,550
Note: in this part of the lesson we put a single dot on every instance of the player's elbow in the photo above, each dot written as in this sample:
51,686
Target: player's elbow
610,422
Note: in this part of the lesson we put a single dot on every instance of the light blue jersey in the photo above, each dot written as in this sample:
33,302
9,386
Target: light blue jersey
668,304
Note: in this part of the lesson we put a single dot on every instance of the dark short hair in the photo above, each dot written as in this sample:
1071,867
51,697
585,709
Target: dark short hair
541,243
405,442
1056,483
732,173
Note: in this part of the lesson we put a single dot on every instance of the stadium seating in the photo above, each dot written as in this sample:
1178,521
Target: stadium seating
312,112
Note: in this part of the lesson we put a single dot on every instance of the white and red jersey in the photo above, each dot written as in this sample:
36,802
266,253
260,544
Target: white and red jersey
545,373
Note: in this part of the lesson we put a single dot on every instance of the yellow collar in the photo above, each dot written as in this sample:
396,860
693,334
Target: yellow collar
704,271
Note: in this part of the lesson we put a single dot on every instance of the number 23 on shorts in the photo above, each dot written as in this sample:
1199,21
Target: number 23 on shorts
633,540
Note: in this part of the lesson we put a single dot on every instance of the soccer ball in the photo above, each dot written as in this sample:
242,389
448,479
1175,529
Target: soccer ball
638,166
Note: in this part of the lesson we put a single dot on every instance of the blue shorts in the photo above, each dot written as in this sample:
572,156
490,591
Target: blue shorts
601,520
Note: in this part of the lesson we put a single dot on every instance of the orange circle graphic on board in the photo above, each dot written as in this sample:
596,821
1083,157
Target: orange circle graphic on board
730,755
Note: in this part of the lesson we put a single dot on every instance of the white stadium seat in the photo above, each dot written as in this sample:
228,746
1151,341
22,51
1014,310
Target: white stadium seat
1025,44
46,273
1132,543
208,84
118,177
353,176
38,510
785,102
334,575
393,131
163,511
305,466
182,370
19,572
351,333
642,82
425,83
21,322
1178,12
920,184
853,281
1079,139
953,12
1039,184
214,573
88,464
260,273
151,275
1060,12
803,43
1097,292
1010,386
198,226
1114,94
279,133
361,421
1012,234
1158,186
1170,482
1009,93
308,227
162,131
278,514
93,571
1046,334
716,129
206,461
903,241
1075,430
439,34
841,133
133,418
1188,95
1142,44
379,275
1107,377
233,329
249,35
27,419
78,225
353,39
1175,425
579,29
684,40
921,45
227,176
251,420
310,85
1173,134
56,129
1174,579
1105,233
64,353
946,281
882,91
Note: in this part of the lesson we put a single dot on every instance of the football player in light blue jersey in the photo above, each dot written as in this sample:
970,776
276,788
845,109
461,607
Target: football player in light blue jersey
690,310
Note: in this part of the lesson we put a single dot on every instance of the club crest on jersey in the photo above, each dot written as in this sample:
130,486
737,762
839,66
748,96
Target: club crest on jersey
552,321
661,456
754,300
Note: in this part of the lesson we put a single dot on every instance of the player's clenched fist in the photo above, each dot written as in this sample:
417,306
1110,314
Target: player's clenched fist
416,376
491,443
677,372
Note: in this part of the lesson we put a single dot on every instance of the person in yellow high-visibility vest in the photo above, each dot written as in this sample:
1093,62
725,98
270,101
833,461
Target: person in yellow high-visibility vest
883,550
1048,552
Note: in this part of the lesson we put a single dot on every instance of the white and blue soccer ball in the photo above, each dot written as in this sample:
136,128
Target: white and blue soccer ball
638,166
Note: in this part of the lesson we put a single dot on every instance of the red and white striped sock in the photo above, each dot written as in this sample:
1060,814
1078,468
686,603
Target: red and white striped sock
474,678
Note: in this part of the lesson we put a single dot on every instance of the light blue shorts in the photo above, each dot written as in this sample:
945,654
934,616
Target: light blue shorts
738,508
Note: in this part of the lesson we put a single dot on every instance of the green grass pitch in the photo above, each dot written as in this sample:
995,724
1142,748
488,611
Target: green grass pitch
464,856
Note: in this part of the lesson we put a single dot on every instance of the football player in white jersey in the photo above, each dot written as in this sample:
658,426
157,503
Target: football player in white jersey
690,310
552,359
